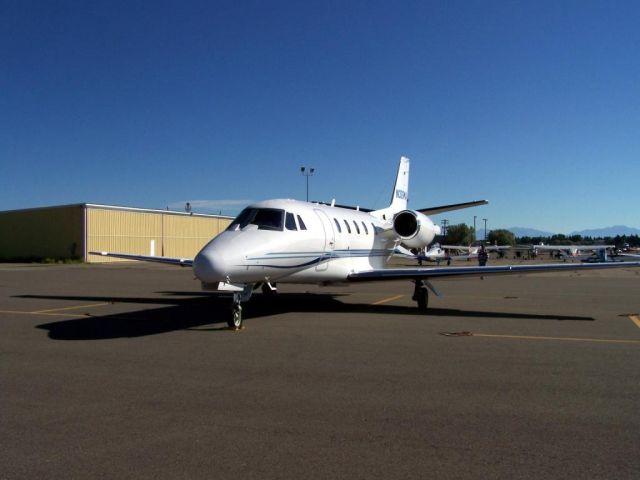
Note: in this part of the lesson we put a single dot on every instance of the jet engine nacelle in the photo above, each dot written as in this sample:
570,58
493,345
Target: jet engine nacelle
414,228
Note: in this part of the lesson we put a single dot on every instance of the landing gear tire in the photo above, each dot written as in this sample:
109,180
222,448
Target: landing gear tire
235,320
421,296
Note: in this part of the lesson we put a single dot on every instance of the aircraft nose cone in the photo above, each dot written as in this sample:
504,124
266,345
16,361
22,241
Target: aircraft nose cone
209,267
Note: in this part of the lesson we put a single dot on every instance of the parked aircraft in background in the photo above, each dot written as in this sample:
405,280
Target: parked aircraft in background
571,251
472,250
290,241
435,253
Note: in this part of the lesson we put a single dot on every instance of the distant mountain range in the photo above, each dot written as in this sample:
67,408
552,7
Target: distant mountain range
528,232
608,231
594,232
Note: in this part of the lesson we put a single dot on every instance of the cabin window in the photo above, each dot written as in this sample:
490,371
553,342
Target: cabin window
373,228
290,222
301,223
337,225
366,231
264,218
357,228
347,225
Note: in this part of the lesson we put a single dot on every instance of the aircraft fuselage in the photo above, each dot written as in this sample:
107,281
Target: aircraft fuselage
295,241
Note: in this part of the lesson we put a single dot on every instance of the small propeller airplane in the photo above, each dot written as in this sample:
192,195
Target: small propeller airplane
472,250
571,251
291,241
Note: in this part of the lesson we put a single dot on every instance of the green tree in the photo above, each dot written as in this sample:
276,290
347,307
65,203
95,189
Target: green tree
460,234
501,237
558,239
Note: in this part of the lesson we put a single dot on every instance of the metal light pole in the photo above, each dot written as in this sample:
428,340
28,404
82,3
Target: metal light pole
485,229
307,172
445,224
475,237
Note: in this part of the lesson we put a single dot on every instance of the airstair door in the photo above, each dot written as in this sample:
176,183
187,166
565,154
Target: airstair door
329,240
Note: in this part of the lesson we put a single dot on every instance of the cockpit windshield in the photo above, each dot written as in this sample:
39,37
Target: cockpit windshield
264,218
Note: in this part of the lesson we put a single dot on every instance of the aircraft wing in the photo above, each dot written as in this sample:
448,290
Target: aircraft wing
426,211
454,206
427,273
182,262
455,247
572,247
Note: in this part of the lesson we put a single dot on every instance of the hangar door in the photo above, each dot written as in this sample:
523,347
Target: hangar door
149,232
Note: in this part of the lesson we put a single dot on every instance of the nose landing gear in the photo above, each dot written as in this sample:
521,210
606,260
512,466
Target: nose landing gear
235,318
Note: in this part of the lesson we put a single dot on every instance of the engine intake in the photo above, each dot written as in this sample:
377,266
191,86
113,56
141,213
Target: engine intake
414,228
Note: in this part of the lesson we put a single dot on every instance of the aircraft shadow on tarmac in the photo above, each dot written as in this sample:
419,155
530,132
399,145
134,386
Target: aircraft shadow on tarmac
191,310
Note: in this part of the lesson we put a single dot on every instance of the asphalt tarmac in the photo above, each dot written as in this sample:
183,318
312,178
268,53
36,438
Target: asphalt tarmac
128,371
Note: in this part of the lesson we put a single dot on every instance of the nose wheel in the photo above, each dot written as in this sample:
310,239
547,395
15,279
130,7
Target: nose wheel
235,319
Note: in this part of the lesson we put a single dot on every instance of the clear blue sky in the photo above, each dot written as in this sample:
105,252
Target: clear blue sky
533,105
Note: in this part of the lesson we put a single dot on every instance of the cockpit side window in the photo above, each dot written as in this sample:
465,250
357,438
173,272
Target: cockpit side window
290,222
301,223
243,219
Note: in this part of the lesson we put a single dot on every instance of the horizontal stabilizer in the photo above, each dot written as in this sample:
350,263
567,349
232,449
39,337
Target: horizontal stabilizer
448,208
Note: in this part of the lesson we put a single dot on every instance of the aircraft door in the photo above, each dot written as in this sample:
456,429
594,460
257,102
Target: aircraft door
329,239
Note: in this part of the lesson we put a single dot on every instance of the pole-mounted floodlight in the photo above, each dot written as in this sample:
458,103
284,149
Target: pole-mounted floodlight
307,172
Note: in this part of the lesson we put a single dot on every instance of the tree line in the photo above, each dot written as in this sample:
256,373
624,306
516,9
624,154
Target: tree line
462,234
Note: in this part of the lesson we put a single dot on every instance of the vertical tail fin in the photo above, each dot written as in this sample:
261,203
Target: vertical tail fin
400,193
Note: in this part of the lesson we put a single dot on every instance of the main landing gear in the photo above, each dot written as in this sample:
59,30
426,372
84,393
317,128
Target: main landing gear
421,293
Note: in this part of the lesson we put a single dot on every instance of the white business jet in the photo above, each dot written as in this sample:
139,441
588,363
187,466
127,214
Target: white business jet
290,241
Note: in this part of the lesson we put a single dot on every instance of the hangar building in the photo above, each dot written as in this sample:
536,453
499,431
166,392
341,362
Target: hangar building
71,231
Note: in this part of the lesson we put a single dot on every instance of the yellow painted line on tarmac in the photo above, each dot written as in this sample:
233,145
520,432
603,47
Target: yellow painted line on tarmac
566,339
17,312
386,300
635,319
51,310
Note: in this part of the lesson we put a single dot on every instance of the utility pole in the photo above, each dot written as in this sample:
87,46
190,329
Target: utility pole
307,172
485,229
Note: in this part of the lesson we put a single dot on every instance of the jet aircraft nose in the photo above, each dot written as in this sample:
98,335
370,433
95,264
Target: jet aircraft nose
209,267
